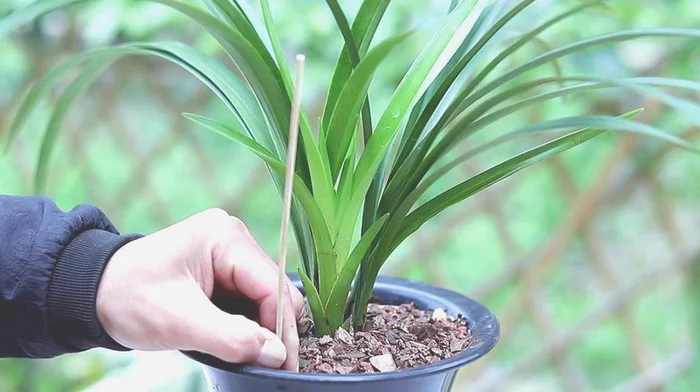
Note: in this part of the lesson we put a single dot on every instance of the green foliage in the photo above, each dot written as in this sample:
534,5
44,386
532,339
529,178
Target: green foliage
452,89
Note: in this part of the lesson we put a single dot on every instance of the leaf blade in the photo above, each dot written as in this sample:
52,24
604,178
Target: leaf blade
325,255
315,304
335,307
344,119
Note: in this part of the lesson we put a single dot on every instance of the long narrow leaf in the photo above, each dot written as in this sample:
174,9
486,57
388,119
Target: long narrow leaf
524,40
482,181
451,73
48,143
233,93
344,119
30,12
344,27
265,82
466,124
364,28
316,306
637,85
322,239
335,308
408,165
435,176
546,58
491,176
232,13
277,46
438,49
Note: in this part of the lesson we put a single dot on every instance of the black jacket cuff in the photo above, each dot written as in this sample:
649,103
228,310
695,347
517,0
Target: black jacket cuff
71,308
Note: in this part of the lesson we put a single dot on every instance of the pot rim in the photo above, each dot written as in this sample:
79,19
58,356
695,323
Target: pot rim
481,321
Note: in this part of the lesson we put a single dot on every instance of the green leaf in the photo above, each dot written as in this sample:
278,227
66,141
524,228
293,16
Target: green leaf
466,123
524,40
30,12
478,183
255,67
364,28
345,190
270,91
318,223
400,184
395,230
352,53
318,170
277,47
438,48
318,164
224,84
610,123
36,93
335,308
315,304
489,177
684,106
569,49
344,117
425,184
344,27
325,255
425,109
453,5
233,15
454,131
77,87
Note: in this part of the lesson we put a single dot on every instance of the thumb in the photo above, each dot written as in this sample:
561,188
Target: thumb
234,339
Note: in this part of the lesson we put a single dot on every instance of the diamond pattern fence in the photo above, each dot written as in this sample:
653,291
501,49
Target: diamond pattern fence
596,298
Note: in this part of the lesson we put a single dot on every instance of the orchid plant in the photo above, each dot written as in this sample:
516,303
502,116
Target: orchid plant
361,177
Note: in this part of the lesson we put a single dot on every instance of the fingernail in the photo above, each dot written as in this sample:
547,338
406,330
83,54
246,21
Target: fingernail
273,353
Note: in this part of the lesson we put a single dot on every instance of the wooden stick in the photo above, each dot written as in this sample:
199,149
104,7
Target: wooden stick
288,185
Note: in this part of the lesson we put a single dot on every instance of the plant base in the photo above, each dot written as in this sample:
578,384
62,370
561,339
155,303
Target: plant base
433,377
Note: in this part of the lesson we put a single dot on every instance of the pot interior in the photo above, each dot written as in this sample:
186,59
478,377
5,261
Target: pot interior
482,323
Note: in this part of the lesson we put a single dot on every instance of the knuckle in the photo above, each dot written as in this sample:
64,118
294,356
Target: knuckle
247,343
215,213
211,221
237,225
227,226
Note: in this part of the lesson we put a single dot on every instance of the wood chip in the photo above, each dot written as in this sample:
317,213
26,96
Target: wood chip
342,369
383,363
325,340
325,368
344,336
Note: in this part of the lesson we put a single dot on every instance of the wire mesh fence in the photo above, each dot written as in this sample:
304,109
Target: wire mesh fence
595,299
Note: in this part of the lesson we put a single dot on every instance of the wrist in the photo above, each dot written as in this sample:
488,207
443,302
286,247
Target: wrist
72,295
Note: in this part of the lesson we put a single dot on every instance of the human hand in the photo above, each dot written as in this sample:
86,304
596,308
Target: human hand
155,294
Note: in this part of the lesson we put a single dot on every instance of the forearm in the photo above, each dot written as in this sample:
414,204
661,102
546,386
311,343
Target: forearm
50,265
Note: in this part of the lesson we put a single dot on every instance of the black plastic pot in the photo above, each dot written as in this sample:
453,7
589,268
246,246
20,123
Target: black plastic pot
436,377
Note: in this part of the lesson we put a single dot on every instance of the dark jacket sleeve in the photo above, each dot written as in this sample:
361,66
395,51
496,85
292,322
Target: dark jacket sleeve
51,263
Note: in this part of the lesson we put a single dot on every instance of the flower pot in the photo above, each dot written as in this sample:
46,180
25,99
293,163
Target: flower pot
435,377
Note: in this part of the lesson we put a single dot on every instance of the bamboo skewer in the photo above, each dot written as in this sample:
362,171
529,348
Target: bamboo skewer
288,185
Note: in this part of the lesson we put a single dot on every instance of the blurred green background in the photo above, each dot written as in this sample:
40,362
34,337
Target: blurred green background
585,259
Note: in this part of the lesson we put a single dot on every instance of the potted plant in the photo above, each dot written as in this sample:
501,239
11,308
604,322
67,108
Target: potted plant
361,177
